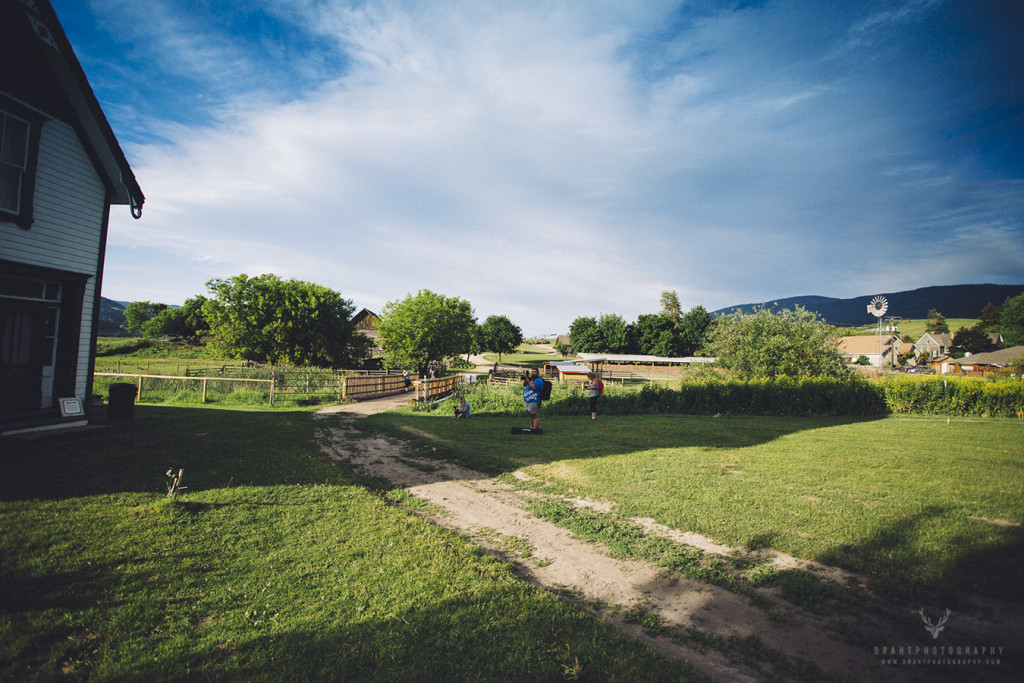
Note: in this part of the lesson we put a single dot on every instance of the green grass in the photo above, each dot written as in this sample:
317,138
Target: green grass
914,504
913,329
272,565
526,355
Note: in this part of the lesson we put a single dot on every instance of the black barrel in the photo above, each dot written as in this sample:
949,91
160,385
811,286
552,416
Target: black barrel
121,405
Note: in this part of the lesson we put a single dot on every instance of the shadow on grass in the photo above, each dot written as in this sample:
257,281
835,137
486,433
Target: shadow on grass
216,448
456,639
486,444
936,556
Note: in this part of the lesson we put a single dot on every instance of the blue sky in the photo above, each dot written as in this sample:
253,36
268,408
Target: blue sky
546,160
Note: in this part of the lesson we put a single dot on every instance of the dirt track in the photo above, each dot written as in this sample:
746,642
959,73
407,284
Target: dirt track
493,515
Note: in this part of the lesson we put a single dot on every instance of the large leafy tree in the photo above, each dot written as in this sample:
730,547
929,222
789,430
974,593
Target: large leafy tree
613,333
138,313
1011,321
186,322
585,336
652,334
972,340
693,331
267,319
500,335
793,343
424,330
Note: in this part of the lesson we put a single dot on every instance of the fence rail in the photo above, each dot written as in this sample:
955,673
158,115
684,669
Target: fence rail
364,386
203,380
429,388
337,385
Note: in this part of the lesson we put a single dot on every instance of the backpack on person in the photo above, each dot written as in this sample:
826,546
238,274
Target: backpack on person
545,392
600,387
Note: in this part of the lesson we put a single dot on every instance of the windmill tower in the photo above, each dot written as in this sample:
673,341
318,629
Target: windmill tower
877,308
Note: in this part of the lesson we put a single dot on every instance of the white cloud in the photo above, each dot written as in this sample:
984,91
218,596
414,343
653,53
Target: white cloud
552,162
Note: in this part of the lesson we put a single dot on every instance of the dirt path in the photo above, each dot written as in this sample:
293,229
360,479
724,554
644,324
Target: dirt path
493,514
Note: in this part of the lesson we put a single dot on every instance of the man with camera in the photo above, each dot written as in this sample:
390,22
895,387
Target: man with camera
532,387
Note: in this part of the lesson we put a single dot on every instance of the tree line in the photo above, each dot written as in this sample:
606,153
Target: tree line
267,319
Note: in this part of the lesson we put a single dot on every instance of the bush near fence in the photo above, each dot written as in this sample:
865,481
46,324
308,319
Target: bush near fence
809,397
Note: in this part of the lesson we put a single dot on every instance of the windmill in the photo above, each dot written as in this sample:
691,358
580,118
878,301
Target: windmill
877,308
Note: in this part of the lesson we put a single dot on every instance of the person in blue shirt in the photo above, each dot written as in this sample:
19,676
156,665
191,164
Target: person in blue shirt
532,387
462,410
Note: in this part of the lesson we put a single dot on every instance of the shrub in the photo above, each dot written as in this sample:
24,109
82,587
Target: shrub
782,396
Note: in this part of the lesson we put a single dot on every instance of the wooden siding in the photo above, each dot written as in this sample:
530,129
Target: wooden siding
68,210
68,220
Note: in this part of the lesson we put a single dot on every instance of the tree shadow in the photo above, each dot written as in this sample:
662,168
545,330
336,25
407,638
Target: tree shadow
977,559
486,444
133,456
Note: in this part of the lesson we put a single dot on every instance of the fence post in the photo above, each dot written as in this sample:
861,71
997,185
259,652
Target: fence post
139,398
271,391
204,390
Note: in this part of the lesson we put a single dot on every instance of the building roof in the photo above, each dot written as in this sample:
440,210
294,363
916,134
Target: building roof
1001,357
618,358
863,344
54,60
569,367
944,339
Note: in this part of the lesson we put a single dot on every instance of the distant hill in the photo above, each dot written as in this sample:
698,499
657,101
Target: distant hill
111,317
952,301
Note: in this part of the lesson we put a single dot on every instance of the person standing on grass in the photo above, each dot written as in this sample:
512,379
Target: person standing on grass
532,386
594,388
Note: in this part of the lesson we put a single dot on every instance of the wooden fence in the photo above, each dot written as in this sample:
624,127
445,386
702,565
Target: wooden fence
429,388
368,385
202,380
318,385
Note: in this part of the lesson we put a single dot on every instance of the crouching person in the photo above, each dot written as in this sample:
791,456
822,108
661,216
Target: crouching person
462,410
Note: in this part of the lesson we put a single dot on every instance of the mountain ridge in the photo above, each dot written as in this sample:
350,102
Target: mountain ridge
952,301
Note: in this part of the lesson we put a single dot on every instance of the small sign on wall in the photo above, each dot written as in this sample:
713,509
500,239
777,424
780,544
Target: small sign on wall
71,407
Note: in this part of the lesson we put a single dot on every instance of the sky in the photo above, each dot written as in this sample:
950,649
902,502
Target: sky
556,159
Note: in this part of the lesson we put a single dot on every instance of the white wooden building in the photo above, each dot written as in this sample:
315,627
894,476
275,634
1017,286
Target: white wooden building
61,169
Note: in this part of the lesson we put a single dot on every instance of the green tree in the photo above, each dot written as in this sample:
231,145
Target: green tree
1011,321
138,313
693,331
424,330
670,307
613,333
186,322
267,319
989,317
500,335
585,336
971,340
652,335
936,323
793,343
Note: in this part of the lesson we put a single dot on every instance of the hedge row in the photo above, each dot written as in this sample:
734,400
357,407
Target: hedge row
957,396
780,396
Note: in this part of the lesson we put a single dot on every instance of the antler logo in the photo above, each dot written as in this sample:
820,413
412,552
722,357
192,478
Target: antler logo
934,629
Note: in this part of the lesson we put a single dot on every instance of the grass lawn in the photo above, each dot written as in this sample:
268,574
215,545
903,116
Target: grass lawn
912,328
925,510
272,565
526,355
